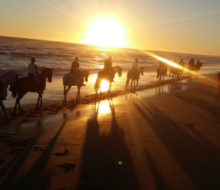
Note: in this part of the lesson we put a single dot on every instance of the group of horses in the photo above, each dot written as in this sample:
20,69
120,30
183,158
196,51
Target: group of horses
174,72
21,84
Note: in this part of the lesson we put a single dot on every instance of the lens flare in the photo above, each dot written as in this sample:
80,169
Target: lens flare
176,65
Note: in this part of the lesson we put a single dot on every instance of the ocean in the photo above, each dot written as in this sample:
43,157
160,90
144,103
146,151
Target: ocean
15,55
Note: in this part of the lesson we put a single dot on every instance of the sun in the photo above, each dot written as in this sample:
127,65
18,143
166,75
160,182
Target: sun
105,32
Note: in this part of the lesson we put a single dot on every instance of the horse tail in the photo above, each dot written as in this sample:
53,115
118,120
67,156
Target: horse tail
13,88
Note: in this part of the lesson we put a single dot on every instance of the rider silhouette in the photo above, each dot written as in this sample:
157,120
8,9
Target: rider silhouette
191,64
33,72
75,71
32,68
107,70
135,65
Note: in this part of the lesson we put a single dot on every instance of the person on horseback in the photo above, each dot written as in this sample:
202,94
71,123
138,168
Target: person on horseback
107,70
33,71
32,68
75,66
75,71
198,64
181,63
191,64
135,65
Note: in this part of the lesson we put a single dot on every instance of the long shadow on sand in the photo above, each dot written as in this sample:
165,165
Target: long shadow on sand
106,163
199,161
213,110
36,178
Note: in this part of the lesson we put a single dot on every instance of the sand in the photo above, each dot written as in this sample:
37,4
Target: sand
161,138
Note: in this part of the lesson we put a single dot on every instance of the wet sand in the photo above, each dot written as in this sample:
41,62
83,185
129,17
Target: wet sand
160,138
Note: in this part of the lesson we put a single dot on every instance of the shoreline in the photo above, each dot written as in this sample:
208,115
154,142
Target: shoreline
54,105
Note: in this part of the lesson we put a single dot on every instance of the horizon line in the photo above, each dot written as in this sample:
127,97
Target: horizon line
77,43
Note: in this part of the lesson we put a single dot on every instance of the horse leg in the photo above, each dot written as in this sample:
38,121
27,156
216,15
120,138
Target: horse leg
127,82
15,107
41,100
37,104
67,90
78,93
64,93
4,110
19,106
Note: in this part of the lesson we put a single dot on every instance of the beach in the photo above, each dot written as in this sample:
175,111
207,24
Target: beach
160,138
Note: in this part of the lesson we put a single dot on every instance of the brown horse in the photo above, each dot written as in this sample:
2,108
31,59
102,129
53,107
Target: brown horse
69,80
26,84
134,76
107,75
6,79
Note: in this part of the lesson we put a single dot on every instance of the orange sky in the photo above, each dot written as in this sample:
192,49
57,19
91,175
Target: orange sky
182,26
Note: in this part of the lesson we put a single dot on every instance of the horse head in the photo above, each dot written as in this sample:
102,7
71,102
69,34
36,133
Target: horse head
118,69
86,75
47,73
142,70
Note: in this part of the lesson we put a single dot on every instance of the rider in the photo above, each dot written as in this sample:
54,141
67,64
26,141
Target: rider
198,64
32,68
108,66
181,63
33,71
75,71
75,66
135,65
191,64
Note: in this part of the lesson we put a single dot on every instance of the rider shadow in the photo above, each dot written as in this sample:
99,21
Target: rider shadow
37,177
14,165
198,160
106,162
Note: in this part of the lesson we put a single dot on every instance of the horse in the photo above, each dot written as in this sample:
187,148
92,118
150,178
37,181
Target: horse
6,79
134,76
107,75
175,72
161,72
69,80
26,84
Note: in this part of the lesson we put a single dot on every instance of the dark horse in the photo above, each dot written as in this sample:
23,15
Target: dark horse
69,80
26,84
134,76
107,75
6,79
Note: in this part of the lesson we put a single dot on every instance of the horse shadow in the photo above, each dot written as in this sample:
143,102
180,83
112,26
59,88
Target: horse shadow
106,162
200,161
36,177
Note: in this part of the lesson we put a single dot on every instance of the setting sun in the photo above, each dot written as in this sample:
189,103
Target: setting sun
105,32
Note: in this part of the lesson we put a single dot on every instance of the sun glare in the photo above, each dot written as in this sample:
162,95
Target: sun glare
105,32
104,86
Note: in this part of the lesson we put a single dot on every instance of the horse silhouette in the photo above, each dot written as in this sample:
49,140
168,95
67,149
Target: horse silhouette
107,75
24,85
161,72
70,80
6,79
134,76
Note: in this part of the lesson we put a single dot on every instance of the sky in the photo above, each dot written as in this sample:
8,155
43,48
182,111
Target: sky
190,26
